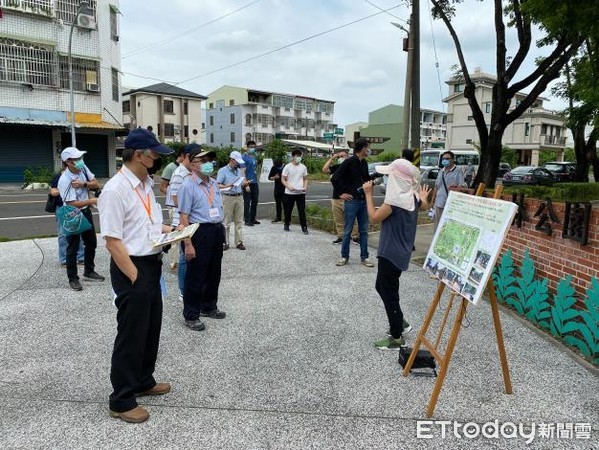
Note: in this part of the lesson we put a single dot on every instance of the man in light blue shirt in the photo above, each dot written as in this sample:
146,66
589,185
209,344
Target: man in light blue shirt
200,202
251,192
230,178
450,176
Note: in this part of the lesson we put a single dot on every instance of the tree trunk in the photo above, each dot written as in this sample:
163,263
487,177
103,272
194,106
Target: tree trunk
580,150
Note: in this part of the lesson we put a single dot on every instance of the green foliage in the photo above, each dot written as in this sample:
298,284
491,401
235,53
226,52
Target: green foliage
509,156
589,327
313,164
560,192
37,175
387,156
276,150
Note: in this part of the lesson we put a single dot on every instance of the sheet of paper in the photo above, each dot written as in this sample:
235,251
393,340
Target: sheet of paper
176,236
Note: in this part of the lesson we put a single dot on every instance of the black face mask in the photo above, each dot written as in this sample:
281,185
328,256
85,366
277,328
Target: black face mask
155,167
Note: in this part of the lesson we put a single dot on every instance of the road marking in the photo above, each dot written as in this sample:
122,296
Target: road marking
19,203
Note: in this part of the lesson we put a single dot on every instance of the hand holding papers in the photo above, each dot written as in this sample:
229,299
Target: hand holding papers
176,236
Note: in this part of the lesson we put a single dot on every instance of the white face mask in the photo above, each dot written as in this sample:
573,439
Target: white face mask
340,160
298,159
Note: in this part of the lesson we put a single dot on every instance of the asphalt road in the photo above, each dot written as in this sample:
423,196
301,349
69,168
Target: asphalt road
22,214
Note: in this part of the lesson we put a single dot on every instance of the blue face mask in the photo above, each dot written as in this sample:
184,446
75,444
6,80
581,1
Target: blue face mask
445,162
298,159
252,150
207,168
79,164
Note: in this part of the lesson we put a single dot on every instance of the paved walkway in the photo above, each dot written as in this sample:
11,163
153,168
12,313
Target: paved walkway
291,367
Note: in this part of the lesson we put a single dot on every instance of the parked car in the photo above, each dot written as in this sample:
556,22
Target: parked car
372,169
562,171
530,175
429,176
503,169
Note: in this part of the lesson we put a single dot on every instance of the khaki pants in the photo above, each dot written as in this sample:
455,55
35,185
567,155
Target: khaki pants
233,205
173,253
337,208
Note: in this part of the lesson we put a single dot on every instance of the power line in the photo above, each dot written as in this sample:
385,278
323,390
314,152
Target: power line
430,16
186,32
270,52
381,9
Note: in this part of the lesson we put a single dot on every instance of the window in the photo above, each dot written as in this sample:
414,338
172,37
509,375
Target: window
185,108
115,85
25,62
114,31
458,87
544,129
212,138
185,131
231,102
169,129
203,125
282,101
169,106
232,118
470,118
211,121
468,141
526,129
126,106
232,137
248,119
210,105
86,74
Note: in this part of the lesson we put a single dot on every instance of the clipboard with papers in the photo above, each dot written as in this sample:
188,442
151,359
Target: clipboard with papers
175,236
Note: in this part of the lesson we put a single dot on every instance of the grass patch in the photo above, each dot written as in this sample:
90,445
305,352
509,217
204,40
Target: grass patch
560,192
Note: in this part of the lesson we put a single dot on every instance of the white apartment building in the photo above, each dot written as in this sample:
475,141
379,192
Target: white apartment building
174,114
235,115
35,111
537,130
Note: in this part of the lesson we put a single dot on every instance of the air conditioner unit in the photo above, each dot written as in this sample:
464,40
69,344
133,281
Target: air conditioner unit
92,87
86,21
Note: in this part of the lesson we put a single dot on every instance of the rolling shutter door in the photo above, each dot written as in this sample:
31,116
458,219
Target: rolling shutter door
22,147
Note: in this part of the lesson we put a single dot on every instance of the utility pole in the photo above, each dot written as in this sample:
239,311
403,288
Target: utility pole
407,47
414,39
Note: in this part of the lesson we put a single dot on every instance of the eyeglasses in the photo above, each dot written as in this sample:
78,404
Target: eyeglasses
200,160
150,154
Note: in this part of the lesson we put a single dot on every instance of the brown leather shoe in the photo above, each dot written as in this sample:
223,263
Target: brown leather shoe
159,389
135,415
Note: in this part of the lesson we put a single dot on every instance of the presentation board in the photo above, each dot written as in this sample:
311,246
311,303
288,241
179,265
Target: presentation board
467,242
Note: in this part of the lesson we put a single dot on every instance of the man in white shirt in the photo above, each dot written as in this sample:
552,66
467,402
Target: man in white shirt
74,185
130,220
295,180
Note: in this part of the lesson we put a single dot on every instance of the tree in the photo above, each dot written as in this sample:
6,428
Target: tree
579,89
559,20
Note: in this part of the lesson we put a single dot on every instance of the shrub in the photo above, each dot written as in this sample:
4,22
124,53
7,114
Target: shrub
37,175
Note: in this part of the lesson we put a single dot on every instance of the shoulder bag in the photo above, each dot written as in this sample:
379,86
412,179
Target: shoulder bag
71,219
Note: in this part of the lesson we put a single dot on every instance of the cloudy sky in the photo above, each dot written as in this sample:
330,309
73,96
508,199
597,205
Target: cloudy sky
204,44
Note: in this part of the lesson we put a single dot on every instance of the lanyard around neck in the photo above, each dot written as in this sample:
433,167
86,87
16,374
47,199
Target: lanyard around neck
147,204
209,193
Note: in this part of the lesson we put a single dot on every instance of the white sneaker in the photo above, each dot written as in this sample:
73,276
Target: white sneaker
368,263
341,261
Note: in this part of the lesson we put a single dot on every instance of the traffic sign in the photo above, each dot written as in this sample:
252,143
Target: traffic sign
375,140
338,130
328,135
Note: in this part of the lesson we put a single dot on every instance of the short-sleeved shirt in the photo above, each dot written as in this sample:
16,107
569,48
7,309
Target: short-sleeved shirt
201,200
452,177
227,175
123,213
398,232
179,176
168,171
295,174
70,194
250,167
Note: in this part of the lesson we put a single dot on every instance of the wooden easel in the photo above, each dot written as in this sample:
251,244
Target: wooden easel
444,359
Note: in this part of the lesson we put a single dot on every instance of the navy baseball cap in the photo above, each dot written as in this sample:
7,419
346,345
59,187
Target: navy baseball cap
140,138
191,148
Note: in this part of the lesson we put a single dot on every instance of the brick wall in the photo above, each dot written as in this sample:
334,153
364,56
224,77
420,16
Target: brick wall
554,256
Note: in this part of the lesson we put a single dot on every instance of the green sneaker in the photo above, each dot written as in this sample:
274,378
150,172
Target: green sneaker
390,343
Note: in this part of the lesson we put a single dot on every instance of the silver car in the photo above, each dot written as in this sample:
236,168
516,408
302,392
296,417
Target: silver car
427,176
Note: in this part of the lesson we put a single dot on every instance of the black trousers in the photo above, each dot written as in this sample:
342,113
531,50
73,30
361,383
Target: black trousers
250,203
279,203
387,285
202,277
89,243
300,200
139,319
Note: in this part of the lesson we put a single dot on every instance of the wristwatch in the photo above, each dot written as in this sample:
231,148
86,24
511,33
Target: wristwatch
85,184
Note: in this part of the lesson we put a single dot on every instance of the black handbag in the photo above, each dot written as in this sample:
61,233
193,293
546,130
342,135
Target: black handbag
50,204
423,360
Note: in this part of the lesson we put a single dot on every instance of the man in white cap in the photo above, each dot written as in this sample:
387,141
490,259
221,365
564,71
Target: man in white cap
74,186
230,179
399,217
131,219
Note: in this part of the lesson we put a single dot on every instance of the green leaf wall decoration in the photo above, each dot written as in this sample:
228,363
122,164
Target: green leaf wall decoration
562,311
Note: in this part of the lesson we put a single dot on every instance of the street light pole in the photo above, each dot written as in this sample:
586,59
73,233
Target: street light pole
82,5
408,89
415,45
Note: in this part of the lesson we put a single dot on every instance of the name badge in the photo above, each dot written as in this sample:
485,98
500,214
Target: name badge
213,213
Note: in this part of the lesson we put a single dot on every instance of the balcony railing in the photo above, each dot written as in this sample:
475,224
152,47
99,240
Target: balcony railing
557,141
40,7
